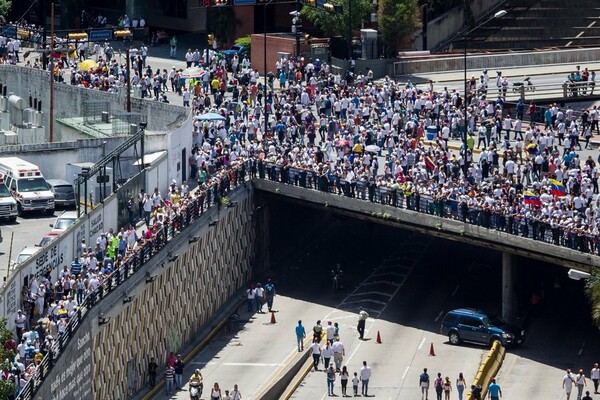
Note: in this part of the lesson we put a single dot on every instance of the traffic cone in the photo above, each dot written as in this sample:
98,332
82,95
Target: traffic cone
273,317
378,338
431,350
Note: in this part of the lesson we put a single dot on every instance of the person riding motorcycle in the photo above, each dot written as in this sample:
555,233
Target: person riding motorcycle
196,382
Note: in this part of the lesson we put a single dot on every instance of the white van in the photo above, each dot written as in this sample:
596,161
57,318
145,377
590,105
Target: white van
27,185
8,205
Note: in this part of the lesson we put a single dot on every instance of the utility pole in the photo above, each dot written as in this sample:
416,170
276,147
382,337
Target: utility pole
51,122
298,27
127,72
350,31
42,14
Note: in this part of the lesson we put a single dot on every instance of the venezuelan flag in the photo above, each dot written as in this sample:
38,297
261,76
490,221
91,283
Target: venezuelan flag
429,162
531,198
557,188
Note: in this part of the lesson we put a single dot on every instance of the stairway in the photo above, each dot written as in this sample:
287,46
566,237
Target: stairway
532,24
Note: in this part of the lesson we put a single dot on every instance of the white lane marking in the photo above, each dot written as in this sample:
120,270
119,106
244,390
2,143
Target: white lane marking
232,364
581,349
422,343
455,290
568,44
591,24
439,316
381,303
405,372
579,34
370,293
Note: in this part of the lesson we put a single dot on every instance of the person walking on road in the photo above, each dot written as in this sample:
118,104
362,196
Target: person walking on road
581,383
330,332
595,375
300,335
344,376
169,377
362,320
355,384
250,298
315,350
259,296
339,352
317,331
424,384
235,393
152,370
438,385
270,294
494,390
447,388
587,396
460,385
326,353
568,381
215,393
330,380
365,375
179,372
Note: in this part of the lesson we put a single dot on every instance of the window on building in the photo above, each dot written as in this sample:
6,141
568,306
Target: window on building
175,8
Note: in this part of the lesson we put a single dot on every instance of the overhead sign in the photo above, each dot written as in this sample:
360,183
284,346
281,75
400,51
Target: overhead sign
9,31
100,34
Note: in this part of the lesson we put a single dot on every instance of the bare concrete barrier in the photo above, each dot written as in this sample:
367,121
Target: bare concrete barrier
489,368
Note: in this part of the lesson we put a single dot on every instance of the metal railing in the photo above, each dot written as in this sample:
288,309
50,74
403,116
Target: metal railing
486,217
204,200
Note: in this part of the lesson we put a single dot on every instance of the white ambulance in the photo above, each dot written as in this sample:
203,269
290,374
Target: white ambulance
8,205
27,185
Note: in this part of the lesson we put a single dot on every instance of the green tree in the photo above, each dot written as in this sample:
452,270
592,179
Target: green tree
5,7
333,24
592,290
221,21
398,19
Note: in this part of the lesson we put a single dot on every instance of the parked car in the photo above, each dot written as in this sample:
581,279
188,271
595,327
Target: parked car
240,50
64,221
64,193
48,237
25,254
470,325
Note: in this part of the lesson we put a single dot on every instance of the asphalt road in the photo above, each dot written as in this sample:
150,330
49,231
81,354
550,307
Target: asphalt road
27,231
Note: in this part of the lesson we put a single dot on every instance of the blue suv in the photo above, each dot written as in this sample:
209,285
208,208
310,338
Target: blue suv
469,325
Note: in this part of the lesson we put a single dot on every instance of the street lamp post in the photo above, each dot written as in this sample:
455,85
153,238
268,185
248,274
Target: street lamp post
497,15
266,115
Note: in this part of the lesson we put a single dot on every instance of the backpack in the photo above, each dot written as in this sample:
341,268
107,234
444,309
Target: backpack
424,378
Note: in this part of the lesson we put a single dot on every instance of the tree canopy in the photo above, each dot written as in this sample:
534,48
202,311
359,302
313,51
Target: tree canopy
333,24
398,19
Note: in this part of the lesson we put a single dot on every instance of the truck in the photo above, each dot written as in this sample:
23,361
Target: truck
27,185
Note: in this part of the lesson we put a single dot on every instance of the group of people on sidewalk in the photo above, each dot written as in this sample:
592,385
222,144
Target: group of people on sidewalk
579,382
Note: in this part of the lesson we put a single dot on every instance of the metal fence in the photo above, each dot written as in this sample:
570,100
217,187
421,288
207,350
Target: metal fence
130,265
511,224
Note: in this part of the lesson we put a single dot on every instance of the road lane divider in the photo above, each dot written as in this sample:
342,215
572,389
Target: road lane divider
489,368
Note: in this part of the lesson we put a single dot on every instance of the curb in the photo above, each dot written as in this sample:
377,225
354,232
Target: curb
192,353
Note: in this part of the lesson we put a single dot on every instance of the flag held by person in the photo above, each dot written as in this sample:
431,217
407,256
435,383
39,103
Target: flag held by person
429,162
557,188
531,198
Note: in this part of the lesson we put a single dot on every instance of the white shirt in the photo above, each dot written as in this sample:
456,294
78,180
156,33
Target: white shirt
365,373
595,373
315,348
338,347
330,330
568,382
327,352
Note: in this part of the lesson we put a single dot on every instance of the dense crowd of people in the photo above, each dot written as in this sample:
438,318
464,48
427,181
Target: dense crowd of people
380,141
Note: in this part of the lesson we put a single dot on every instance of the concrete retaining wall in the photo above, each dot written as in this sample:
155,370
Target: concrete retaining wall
436,226
166,314
69,100
443,27
491,61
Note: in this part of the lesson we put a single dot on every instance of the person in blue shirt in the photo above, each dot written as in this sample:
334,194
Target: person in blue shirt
494,390
300,335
